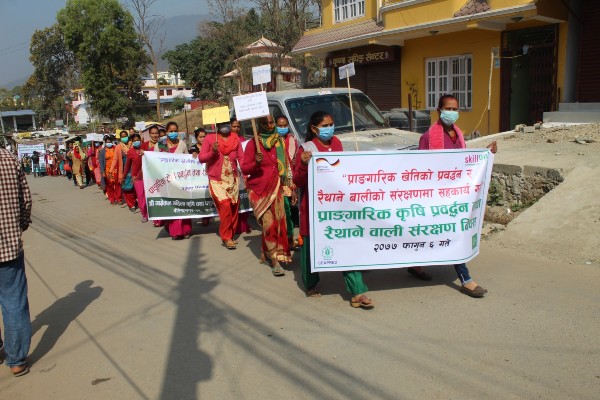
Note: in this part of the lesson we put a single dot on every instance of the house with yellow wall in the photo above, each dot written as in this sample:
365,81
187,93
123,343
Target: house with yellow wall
524,57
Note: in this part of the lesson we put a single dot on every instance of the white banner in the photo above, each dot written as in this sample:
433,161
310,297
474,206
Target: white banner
346,71
28,149
176,186
377,210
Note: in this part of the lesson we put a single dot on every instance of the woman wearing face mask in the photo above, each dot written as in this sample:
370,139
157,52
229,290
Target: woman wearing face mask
121,147
199,135
319,137
290,194
109,172
242,225
133,165
222,153
177,228
152,145
445,134
268,170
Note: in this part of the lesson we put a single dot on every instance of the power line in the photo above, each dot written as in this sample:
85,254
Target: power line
11,51
16,45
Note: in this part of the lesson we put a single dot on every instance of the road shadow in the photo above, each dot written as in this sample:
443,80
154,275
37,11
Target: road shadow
59,316
187,365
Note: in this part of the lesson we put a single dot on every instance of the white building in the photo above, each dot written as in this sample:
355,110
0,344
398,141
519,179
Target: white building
170,87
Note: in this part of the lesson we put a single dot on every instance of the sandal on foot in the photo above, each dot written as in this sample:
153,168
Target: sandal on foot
363,302
314,293
20,370
477,293
277,271
230,244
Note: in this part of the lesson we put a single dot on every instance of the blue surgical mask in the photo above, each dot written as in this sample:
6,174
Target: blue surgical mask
137,144
173,135
162,140
124,139
109,144
283,131
448,117
326,132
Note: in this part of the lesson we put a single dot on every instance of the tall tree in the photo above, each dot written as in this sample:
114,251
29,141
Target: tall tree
55,71
102,36
151,31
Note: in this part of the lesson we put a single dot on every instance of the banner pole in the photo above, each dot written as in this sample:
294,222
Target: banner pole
256,141
351,110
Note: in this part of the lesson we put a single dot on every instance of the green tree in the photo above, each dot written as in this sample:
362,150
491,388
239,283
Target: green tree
102,36
178,103
55,72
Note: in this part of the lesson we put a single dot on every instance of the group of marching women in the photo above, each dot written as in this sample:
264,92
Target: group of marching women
273,167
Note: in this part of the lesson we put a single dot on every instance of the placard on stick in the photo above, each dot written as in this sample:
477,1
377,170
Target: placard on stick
346,71
215,115
253,105
261,74
140,126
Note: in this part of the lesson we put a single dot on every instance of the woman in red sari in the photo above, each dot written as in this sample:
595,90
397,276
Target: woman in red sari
242,225
268,170
221,152
177,228
152,145
133,165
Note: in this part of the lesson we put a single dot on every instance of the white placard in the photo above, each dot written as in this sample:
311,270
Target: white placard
94,137
140,126
346,71
253,105
377,210
261,74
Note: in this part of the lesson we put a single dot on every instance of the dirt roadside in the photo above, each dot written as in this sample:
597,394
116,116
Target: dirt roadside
564,225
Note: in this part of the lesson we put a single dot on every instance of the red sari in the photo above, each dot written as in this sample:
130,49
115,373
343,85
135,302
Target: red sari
178,228
265,193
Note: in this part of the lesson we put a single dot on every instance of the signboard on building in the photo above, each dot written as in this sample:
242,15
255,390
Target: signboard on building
361,56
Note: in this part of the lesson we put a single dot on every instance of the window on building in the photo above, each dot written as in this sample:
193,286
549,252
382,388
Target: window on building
162,92
146,92
349,9
449,75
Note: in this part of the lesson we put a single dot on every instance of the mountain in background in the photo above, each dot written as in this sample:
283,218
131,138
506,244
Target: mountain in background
180,29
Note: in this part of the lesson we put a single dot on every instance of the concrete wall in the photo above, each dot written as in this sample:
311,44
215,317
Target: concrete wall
512,184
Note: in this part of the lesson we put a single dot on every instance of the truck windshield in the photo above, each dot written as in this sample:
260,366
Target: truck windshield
366,114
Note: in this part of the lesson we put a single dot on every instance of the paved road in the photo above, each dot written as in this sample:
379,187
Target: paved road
122,312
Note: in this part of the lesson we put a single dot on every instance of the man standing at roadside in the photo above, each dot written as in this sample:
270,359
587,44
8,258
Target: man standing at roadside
35,160
15,217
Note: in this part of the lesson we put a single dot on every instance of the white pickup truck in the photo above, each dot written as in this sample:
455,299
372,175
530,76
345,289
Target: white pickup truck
372,129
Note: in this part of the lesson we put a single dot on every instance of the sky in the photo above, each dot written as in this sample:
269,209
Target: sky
20,18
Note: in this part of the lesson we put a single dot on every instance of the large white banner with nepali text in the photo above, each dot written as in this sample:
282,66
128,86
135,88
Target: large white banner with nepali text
176,186
376,210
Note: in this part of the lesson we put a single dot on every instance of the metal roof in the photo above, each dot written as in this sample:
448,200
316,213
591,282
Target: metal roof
17,113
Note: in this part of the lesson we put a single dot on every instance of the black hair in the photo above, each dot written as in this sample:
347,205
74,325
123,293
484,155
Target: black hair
443,99
134,135
171,123
197,131
152,127
315,120
105,138
161,130
282,116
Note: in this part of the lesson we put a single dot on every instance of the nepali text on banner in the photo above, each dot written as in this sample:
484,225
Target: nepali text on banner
396,209
176,186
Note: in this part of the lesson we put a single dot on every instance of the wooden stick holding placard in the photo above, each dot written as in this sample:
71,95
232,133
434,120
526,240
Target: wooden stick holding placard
348,70
256,140
352,112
